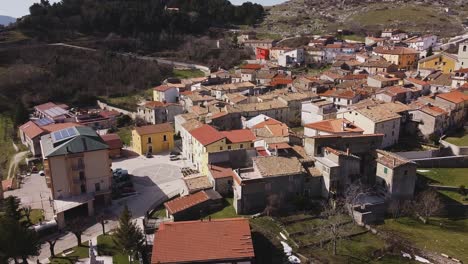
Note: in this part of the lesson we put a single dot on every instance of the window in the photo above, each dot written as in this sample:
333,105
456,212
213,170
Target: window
385,170
149,140
241,145
251,145
82,176
83,188
406,172
97,187
165,138
220,148
464,49
229,147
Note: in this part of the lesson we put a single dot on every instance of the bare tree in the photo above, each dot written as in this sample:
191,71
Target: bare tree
334,230
427,204
52,240
102,220
395,208
352,195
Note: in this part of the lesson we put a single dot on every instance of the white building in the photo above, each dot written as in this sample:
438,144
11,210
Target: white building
462,55
166,94
317,110
294,56
377,119
421,43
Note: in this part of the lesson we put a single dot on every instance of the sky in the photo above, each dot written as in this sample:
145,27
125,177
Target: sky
19,8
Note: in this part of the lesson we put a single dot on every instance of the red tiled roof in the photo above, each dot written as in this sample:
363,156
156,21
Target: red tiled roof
59,126
281,81
416,81
354,77
269,121
396,90
453,96
153,129
251,66
184,202
206,134
163,88
107,114
262,151
395,50
335,126
154,104
463,70
240,135
220,240
31,130
113,141
219,172
45,106
281,145
341,93
220,114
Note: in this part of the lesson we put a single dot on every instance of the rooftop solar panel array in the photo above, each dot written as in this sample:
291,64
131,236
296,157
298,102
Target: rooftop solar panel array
55,111
64,134
43,122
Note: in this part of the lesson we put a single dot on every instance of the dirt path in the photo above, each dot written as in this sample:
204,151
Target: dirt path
17,158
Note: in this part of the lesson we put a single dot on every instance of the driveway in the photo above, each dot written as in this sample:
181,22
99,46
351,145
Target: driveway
34,193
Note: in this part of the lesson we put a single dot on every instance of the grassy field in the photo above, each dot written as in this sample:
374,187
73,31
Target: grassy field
78,253
446,176
439,235
12,36
189,73
460,139
35,216
6,140
106,247
354,38
227,211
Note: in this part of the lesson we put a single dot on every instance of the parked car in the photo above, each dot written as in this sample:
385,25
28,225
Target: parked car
41,173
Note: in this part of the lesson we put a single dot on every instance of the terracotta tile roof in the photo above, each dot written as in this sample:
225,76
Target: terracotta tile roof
281,145
391,160
251,66
281,81
220,114
46,106
155,104
154,129
219,172
416,81
59,126
433,110
336,126
463,70
355,77
163,88
184,202
453,96
206,134
278,130
339,93
197,183
108,114
113,141
394,90
273,166
220,240
186,93
31,130
395,50
239,136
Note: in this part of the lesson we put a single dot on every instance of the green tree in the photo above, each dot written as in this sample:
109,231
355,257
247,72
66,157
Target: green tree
16,240
128,237
21,113
11,208
77,226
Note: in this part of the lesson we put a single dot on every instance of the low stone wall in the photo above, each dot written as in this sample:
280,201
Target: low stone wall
106,106
419,154
457,150
443,162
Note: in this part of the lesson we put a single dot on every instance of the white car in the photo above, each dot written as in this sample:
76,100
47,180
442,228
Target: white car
41,173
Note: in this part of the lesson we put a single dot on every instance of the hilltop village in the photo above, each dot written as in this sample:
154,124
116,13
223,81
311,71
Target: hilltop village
307,147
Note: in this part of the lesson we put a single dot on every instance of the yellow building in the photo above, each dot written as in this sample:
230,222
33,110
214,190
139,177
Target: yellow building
153,139
404,58
444,62
207,142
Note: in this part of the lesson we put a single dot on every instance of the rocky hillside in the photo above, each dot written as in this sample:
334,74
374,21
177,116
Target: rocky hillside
442,17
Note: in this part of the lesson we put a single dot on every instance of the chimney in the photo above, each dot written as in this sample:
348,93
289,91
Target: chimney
347,151
394,162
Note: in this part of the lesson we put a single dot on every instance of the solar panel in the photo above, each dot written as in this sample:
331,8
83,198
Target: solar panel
71,131
57,136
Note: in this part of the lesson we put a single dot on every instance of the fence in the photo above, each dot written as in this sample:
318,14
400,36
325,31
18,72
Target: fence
443,162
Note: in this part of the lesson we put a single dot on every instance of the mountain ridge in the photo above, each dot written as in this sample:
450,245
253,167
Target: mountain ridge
5,20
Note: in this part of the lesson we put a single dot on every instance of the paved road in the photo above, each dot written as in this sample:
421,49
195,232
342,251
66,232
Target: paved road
205,69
